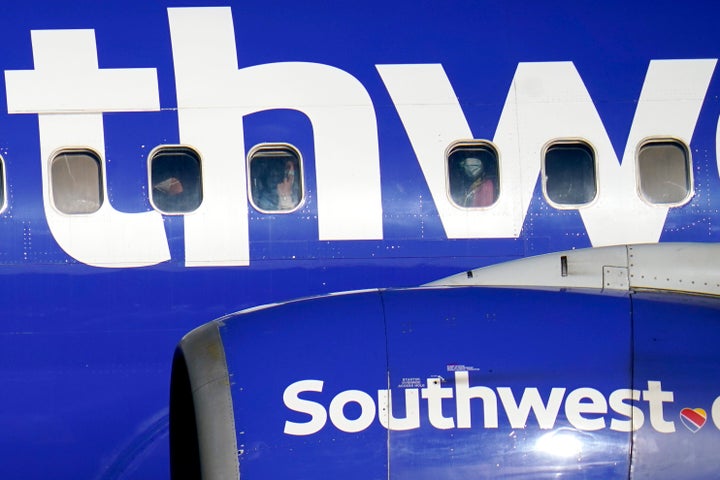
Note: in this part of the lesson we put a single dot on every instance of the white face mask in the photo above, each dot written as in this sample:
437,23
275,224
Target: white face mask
473,167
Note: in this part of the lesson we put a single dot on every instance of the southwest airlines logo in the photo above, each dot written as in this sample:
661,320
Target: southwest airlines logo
587,409
693,418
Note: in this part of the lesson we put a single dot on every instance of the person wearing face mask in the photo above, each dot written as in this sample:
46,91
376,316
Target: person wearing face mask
481,190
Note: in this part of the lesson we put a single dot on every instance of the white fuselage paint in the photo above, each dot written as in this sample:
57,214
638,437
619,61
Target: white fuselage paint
69,93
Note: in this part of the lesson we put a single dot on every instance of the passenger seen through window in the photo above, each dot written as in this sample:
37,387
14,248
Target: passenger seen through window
473,174
276,180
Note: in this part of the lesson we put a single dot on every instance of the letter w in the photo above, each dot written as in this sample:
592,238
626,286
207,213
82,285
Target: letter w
531,400
549,101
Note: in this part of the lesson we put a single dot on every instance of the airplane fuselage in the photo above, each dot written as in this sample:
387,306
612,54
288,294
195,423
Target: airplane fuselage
370,102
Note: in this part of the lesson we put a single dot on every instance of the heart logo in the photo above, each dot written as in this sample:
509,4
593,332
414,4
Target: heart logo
693,418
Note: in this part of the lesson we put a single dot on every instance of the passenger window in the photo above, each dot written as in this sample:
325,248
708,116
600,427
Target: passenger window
176,179
569,174
664,172
275,178
76,180
473,174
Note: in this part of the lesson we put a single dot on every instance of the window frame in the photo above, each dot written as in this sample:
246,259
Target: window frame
278,147
574,141
102,187
473,143
169,148
4,200
688,170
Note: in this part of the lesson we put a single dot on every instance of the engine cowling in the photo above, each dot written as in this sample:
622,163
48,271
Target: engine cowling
467,382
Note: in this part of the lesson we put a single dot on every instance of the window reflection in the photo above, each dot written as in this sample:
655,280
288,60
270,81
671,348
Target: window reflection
76,179
664,172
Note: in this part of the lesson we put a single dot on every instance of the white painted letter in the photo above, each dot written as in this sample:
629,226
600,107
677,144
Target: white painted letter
669,106
214,95
464,393
548,101
412,410
574,408
655,397
434,393
715,412
531,400
367,411
637,418
69,92
318,415
433,119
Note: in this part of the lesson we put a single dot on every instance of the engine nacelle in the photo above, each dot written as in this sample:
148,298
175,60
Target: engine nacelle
467,382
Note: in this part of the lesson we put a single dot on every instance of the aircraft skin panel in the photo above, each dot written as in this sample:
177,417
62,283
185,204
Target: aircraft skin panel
459,388
677,341
389,390
339,353
469,342
373,97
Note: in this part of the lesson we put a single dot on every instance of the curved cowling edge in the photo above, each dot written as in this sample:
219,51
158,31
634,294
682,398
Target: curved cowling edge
202,426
